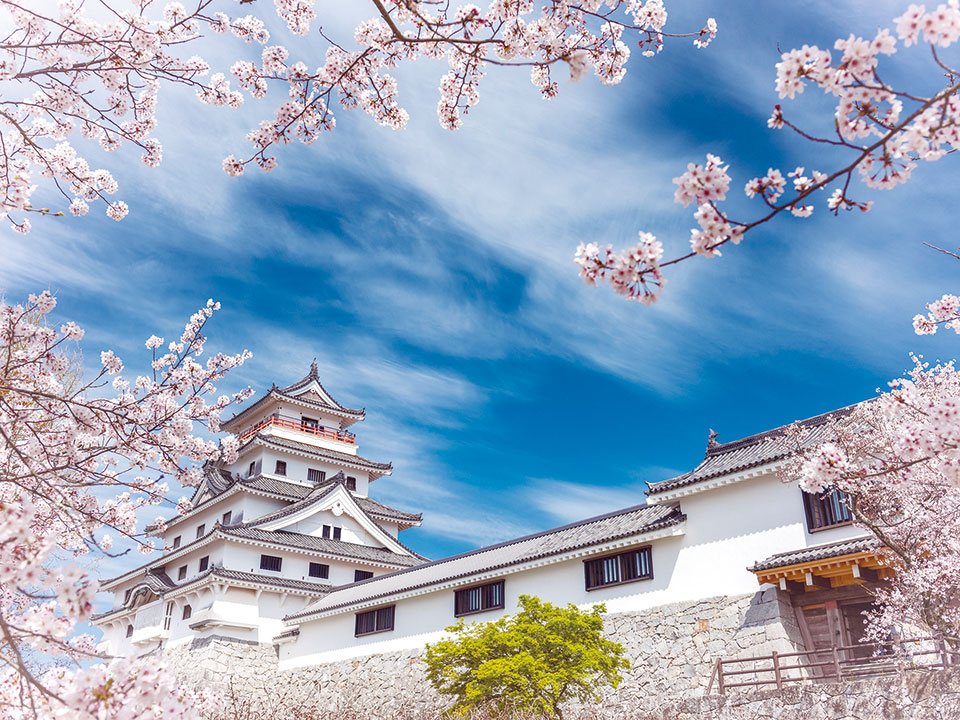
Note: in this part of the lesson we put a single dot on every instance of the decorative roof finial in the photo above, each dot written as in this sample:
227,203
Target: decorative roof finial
712,438
313,370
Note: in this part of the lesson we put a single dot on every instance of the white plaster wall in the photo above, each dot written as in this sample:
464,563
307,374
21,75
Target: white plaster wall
350,529
728,529
732,527
297,467
242,505
295,565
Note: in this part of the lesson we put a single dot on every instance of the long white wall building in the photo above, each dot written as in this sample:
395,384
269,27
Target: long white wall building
285,548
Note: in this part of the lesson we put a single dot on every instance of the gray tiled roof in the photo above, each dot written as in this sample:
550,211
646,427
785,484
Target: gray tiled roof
817,552
593,531
377,508
750,452
288,393
375,468
353,551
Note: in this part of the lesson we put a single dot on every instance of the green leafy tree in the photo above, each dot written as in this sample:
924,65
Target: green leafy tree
533,661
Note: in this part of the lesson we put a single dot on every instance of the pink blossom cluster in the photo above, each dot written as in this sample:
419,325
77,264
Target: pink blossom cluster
78,457
886,131
898,458
67,73
633,273
945,311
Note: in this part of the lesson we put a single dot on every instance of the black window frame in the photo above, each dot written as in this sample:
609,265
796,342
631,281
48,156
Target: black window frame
620,564
326,532
281,468
204,562
486,594
821,509
227,516
200,530
187,612
181,572
251,468
351,483
337,532
382,619
266,561
316,476
360,575
322,570
176,542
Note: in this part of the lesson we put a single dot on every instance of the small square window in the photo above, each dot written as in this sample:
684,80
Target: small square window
359,575
351,483
319,570
187,612
281,468
176,542
271,562
182,572
226,517
200,530
204,562
336,533
326,531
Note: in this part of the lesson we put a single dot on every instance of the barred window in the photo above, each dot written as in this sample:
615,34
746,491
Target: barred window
181,572
270,562
200,530
281,468
204,562
315,476
187,612
359,575
351,483
176,542
617,569
374,621
225,520
319,570
478,599
827,509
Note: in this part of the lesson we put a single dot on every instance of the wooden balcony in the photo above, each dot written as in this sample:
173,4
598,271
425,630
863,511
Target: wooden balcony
278,421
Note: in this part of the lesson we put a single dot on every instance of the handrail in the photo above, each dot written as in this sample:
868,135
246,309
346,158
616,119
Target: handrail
298,425
812,666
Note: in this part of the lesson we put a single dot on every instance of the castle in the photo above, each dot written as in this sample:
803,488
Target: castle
285,551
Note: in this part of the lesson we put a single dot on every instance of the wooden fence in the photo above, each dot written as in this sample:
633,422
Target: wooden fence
851,662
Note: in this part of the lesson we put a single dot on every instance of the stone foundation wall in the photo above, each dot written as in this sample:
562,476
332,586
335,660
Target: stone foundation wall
671,649
914,695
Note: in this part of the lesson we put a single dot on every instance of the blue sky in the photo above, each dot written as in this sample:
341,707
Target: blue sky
431,272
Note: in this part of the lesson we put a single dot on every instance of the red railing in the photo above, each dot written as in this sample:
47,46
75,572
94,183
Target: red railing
299,426
850,662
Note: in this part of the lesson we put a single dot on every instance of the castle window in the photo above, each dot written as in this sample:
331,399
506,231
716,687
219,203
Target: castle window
129,630
187,612
315,476
319,570
281,468
326,531
182,572
176,542
200,530
167,615
253,466
827,509
478,599
309,423
336,533
374,621
225,520
270,562
617,569
351,483
359,575
204,562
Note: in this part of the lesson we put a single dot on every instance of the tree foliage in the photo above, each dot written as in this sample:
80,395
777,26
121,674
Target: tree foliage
533,661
